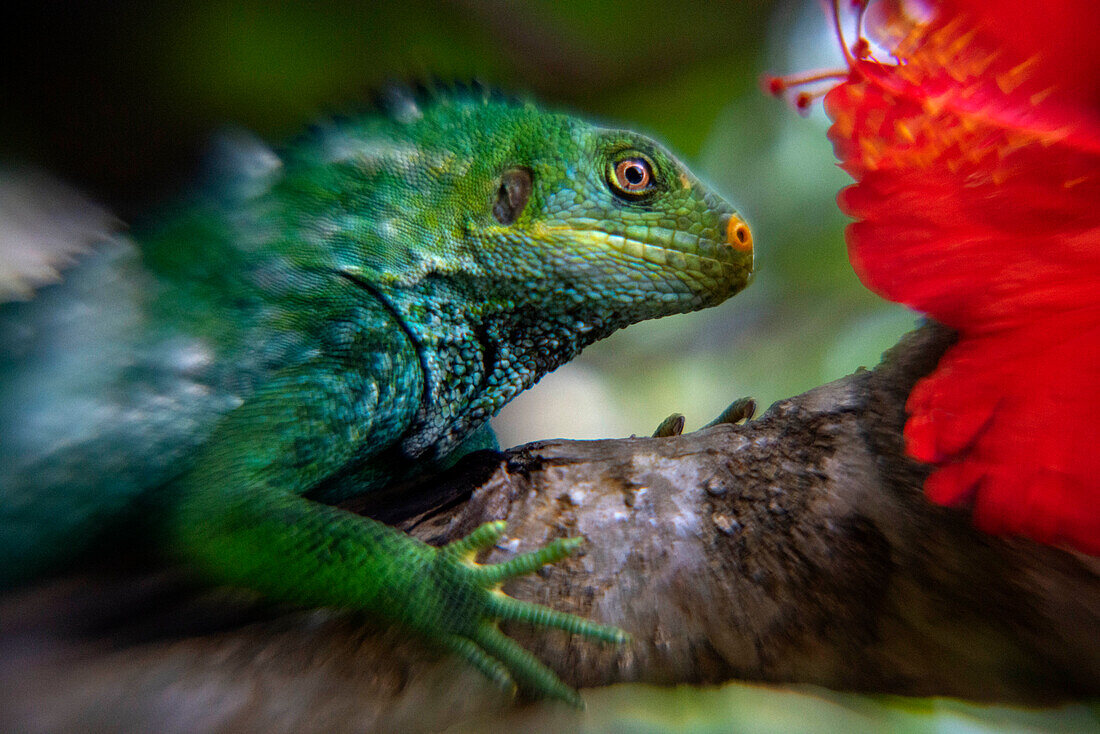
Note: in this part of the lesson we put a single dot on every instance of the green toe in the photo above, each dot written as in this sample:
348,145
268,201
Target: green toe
485,536
528,562
739,410
492,669
505,607
671,426
535,676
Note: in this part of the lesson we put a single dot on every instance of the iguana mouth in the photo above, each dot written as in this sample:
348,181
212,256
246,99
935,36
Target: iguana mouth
677,249
673,247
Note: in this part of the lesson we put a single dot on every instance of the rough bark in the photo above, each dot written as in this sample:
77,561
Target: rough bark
795,548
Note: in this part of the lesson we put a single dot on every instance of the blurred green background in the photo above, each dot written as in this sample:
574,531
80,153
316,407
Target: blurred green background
122,98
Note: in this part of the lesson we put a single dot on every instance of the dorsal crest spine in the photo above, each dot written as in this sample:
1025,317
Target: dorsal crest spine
403,101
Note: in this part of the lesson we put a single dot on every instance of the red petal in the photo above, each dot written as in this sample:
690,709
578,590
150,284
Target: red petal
1010,418
977,195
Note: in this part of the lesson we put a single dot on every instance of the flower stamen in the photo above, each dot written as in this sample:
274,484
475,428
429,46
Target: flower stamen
779,86
848,57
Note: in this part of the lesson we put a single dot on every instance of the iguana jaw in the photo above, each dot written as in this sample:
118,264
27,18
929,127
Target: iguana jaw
722,267
662,246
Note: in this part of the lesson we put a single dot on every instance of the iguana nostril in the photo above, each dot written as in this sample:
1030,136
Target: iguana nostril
738,234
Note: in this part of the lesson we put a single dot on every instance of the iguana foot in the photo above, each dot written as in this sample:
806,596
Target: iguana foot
472,591
671,426
739,410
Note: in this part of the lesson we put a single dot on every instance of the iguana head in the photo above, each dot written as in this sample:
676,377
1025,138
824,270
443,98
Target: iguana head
608,216
516,206
503,238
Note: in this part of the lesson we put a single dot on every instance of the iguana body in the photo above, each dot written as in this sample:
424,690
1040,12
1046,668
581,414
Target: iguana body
321,322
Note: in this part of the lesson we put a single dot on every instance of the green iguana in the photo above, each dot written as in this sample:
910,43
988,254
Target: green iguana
320,322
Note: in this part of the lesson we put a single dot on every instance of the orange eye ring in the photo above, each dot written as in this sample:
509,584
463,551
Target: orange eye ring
633,176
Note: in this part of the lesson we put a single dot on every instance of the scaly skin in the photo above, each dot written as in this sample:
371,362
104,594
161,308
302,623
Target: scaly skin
319,323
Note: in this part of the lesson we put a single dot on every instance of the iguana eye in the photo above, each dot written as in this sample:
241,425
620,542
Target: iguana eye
632,176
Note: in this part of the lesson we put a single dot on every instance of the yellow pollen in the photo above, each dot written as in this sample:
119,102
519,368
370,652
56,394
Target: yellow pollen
1037,98
1016,76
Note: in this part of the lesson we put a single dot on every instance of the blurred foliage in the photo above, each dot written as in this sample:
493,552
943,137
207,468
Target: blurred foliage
748,708
120,98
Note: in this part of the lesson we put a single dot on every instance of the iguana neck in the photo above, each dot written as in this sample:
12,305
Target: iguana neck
479,349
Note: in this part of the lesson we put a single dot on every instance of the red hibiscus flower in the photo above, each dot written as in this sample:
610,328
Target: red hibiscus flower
976,154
